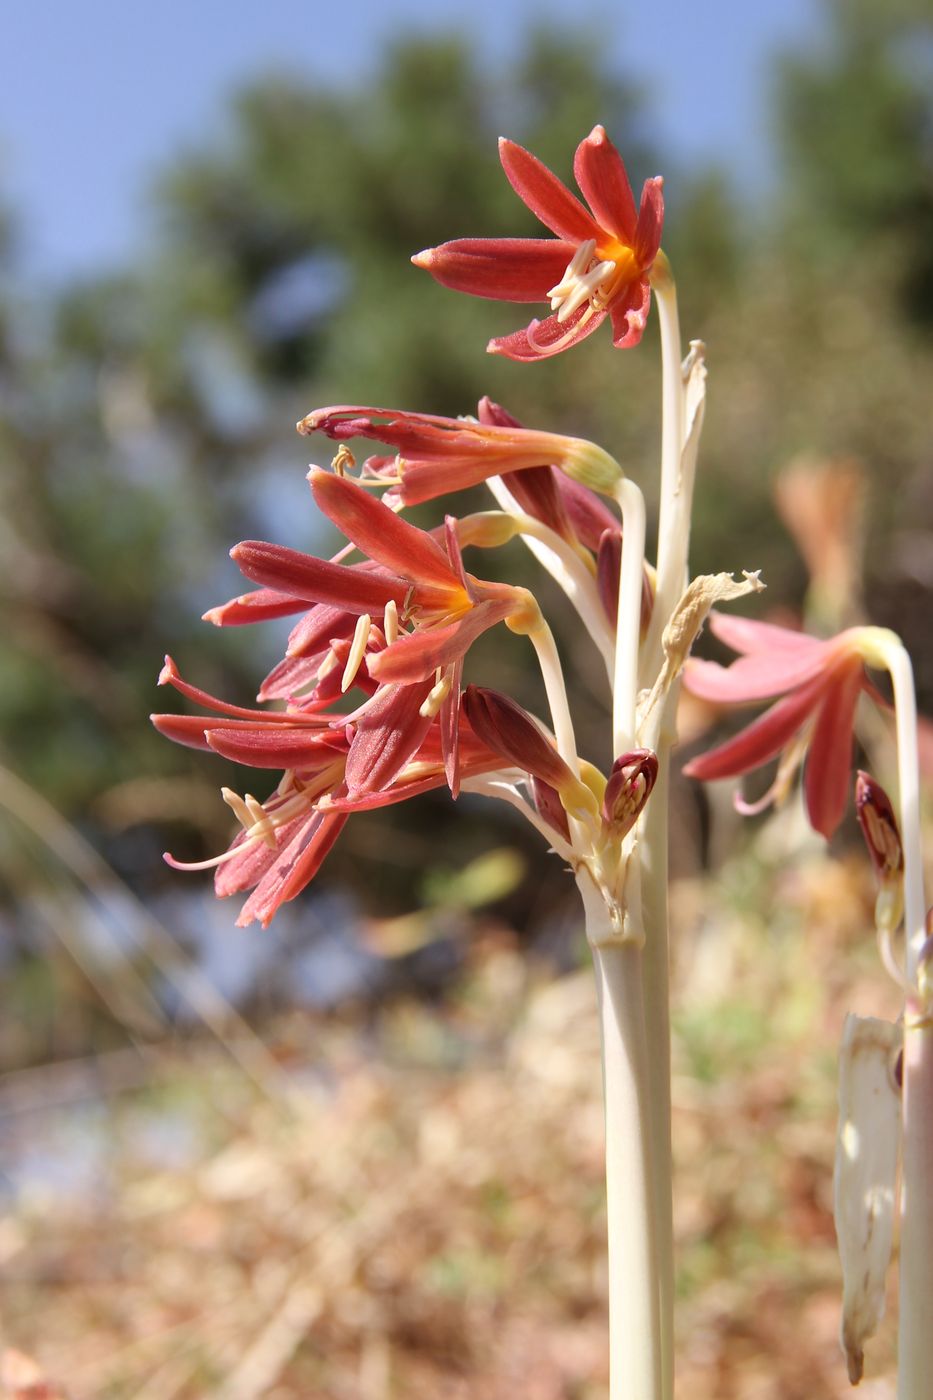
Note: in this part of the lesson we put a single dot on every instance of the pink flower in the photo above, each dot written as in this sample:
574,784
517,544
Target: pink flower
285,838
436,455
820,682
598,264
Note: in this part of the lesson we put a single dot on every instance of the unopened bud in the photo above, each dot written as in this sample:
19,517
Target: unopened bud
630,782
879,827
510,731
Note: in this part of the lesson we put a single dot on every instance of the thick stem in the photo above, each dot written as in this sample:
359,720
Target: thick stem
915,1335
628,625
653,854
634,1293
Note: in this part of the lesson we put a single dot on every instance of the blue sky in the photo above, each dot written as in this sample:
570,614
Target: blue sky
96,95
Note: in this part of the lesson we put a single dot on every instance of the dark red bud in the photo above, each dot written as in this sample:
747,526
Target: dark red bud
510,731
630,782
879,826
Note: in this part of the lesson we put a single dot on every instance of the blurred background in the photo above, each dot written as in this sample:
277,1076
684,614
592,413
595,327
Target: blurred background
358,1155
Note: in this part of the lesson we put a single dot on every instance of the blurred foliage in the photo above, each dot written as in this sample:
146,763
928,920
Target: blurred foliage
145,417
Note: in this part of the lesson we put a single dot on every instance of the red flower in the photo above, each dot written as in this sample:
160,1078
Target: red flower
435,455
597,265
285,839
820,682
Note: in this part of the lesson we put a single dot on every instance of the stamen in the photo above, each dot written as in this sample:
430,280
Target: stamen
435,698
581,281
344,460
549,347
357,651
391,622
330,662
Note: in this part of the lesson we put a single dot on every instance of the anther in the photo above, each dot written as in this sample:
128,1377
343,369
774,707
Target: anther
435,698
357,651
344,460
391,622
581,281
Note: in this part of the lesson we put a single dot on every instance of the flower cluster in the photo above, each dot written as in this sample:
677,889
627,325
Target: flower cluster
392,632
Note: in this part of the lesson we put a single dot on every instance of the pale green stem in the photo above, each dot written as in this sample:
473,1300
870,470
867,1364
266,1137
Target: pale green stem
499,786
542,639
628,624
634,1326
915,1323
565,566
915,1333
653,855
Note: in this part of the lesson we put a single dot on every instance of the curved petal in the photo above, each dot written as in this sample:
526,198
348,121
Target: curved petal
502,269
254,858
418,655
546,196
760,741
259,606
650,221
388,733
828,769
343,585
541,339
600,172
628,312
295,867
745,635
276,746
170,676
756,677
380,533
313,633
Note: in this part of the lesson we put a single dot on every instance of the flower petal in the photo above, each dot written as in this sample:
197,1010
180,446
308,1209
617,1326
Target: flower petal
650,221
356,590
388,733
755,677
628,311
829,762
313,633
417,655
276,746
502,269
600,172
170,675
295,867
746,635
380,533
541,339
761,740
546,196
259,606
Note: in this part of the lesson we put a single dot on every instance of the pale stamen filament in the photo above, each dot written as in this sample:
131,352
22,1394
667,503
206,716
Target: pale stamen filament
554,345
581,281
357,651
